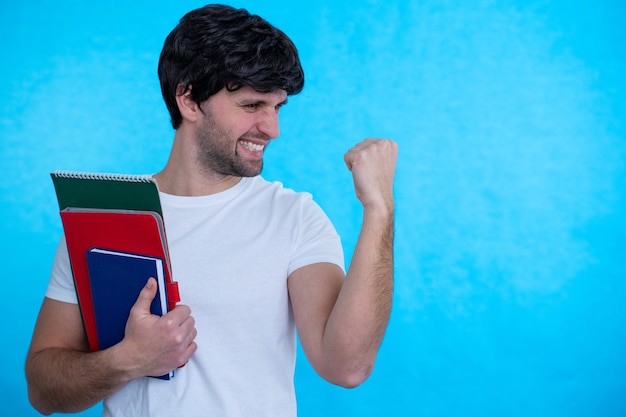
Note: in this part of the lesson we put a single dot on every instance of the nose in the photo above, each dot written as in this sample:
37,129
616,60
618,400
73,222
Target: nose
268,124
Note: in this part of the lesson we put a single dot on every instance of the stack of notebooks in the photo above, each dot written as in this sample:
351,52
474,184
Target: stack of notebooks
116,240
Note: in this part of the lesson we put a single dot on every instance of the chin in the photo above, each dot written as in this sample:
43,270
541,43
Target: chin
251,170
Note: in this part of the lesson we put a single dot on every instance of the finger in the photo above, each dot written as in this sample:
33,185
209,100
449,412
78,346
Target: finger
179,314
147,294
348,161
348,157
351,157
188,337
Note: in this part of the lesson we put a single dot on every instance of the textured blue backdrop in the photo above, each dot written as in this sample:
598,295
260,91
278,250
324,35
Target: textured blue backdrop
511,185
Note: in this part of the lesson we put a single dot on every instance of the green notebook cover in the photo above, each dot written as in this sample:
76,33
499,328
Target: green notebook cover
106,191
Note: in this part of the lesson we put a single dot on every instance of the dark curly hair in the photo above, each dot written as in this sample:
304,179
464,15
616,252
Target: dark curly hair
217,46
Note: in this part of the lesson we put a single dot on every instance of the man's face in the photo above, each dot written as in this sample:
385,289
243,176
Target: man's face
235,130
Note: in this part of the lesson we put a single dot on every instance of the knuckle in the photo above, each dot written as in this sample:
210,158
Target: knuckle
169,323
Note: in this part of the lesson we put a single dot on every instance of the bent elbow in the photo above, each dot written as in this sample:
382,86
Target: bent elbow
352,377
35,401
35,396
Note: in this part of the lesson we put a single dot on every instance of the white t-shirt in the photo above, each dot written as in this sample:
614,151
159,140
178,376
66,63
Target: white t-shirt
231,254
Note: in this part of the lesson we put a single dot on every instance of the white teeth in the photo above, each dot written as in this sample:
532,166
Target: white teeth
252,146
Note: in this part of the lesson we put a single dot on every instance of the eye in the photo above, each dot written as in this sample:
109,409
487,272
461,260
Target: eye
280,106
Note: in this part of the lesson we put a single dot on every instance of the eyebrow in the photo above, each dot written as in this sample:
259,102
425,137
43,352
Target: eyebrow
261,101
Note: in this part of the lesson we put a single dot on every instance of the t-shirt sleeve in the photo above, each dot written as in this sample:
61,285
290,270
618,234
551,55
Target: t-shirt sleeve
316,240
61,284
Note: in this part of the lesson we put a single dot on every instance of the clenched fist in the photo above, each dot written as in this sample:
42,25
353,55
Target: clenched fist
373,166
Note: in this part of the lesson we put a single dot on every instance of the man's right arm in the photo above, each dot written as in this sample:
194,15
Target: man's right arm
63,376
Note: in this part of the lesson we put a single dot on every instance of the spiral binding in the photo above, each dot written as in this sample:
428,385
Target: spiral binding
103,176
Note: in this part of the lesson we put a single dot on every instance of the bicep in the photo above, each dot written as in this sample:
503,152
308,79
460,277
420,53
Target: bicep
313,291
59,325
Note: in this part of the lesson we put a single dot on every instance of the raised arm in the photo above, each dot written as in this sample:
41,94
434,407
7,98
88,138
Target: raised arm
342,320
63,376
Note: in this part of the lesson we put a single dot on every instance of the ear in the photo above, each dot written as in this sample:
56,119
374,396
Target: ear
187,107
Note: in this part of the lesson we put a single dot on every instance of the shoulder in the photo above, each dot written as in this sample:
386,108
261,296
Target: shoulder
276,191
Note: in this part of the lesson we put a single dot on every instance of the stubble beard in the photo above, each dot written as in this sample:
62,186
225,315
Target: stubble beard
218,155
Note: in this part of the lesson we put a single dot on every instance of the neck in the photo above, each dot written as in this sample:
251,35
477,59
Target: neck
182,183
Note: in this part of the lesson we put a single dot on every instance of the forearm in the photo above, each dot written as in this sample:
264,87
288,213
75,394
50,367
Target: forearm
357,323
63,377
67,381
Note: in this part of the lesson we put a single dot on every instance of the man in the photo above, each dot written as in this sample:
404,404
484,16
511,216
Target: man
254,261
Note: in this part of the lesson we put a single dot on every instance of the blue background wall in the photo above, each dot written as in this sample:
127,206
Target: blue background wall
511,186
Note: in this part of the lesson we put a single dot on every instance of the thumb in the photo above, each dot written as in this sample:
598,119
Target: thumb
147,294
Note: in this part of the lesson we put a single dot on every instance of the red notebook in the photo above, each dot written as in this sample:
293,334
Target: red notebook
139,232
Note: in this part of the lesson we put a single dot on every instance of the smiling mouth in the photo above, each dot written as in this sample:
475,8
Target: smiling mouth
254,147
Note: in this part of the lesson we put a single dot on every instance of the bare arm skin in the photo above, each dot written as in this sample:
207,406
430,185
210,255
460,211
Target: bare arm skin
342,320
63,376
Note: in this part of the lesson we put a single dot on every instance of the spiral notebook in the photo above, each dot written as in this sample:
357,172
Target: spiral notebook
106,191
